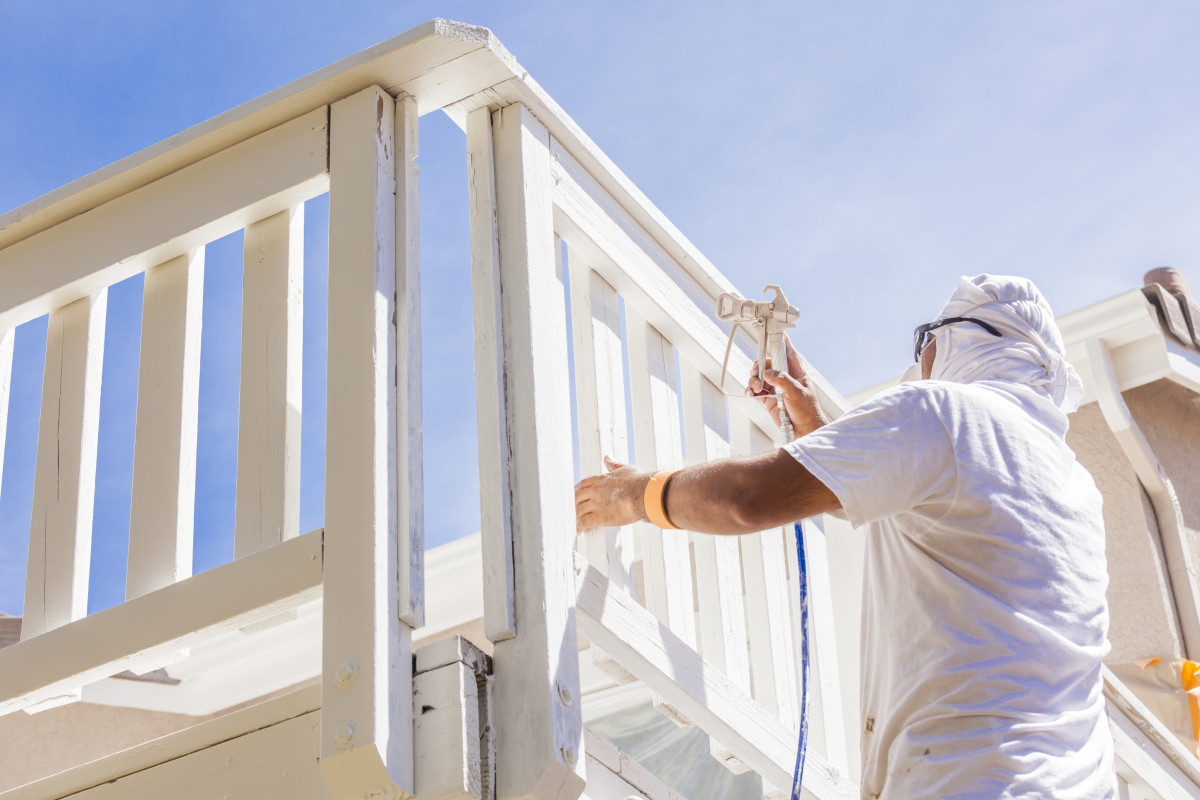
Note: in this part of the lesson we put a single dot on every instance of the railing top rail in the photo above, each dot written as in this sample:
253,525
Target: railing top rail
419,62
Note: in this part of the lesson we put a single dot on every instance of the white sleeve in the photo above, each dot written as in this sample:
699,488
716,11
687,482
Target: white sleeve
890,455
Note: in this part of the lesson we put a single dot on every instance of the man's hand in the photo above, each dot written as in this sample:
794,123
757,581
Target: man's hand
614,498
798,394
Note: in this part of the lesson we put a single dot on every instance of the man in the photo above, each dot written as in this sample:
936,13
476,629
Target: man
984,615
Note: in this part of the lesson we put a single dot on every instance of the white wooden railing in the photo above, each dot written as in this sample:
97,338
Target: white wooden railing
551,219
361,149
545,228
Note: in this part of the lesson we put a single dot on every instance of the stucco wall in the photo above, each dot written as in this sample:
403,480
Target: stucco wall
1142,611
1169,416
63,737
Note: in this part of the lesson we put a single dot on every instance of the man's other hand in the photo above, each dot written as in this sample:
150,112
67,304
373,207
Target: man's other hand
799,396
614,498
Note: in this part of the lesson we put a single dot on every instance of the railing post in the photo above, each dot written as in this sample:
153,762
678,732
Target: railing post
525,413
366,696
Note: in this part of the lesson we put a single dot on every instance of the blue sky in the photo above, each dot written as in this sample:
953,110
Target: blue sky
862,155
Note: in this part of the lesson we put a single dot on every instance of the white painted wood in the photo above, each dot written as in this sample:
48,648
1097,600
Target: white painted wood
722,613
631,778
277,761
495,496
446,734
666,291
6,357
667,665
1151,766
600,404
60,535
267,508
825,680
168,218
173,746
721,616
666,555
845,551
162,511
1122,699
410,492
229,597
366,723
765,558
536,708
439,61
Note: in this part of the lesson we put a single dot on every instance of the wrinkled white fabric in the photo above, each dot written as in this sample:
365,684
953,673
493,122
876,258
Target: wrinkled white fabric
1029,354
984,615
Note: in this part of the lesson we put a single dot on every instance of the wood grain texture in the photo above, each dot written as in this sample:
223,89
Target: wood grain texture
366,729
64,486
446,733
410,492
495,496
228,597
165,219
162,512
537,714
267,506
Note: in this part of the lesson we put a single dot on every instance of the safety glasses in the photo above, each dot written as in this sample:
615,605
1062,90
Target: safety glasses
922,331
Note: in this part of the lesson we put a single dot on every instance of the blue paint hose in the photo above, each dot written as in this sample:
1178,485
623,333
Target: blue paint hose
802,746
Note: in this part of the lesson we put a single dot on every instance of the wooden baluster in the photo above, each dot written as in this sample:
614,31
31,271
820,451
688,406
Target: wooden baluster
600,400
769,614
60,536
722,617
410,486
825,690
162,509
524,375
268,456
6,358
366,714
495,496
666,556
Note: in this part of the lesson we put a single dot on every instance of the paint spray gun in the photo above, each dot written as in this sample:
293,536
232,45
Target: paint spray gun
773,317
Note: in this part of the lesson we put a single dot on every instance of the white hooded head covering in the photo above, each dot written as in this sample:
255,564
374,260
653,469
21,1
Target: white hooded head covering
1030,353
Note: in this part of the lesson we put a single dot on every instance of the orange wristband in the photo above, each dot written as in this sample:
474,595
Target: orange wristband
656,510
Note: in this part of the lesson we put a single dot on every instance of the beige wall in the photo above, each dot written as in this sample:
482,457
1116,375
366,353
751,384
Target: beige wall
38,745
1169,416
1142,611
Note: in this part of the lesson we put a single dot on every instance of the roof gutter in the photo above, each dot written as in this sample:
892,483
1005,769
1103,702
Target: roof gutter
1162,494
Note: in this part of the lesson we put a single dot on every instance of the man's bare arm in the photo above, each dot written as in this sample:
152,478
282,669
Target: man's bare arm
737,495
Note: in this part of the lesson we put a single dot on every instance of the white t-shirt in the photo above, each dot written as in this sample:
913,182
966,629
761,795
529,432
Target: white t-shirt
984,615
